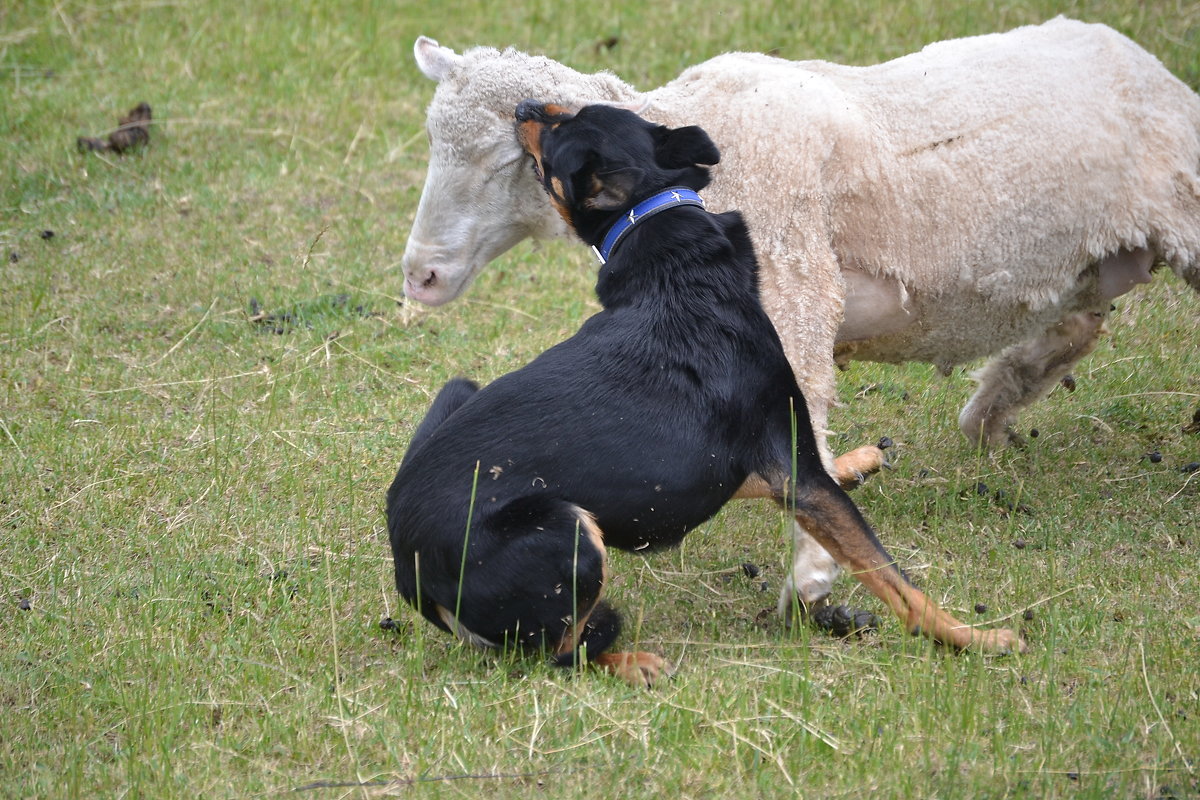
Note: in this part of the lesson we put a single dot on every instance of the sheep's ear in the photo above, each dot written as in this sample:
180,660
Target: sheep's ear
684,147
611,190
434,60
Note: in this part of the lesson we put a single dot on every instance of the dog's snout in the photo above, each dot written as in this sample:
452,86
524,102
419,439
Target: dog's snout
543,113
530,111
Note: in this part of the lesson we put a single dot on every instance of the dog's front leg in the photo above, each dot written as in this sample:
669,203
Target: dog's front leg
853,468
835,522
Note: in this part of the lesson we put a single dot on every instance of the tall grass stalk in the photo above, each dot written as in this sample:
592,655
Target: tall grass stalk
462,567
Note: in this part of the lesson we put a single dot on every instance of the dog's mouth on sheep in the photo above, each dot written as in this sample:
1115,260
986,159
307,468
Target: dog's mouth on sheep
535,161
529,137
552,187
533,120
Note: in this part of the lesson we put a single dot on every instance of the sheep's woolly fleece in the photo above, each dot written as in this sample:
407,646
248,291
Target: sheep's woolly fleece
977,180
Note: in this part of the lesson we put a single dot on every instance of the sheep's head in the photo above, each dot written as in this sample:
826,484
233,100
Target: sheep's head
480,197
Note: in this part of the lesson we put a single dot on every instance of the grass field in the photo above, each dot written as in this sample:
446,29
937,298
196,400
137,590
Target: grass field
193,564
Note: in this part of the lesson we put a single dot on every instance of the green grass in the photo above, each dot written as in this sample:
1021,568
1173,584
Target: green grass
191,502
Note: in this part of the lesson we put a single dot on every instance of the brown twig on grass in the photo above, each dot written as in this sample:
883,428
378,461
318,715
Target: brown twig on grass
133,131
491,776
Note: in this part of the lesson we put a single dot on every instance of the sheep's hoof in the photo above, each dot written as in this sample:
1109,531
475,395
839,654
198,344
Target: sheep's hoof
1015,438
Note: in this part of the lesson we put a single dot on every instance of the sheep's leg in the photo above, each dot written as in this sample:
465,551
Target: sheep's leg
808,340
1024,373
1027,371
810,581
811,578
814,570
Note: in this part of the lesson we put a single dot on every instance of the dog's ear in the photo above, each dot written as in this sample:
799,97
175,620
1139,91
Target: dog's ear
684,147
611,190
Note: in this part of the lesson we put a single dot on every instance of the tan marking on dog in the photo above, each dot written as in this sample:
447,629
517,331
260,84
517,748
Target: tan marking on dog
593,191
755,487
555,110
589,528
562,210
529,136
852,469
846,539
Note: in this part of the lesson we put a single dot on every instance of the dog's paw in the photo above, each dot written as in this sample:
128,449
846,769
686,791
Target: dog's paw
855,467
638,669
999,641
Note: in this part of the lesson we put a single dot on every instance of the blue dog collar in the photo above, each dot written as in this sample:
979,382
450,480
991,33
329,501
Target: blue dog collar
668,198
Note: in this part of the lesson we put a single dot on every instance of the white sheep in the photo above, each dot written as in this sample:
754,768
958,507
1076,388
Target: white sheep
986,196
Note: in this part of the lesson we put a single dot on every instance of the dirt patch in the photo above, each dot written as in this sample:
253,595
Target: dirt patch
305,315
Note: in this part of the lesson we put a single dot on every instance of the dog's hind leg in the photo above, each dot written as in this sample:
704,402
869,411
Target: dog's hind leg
453,394
599,626
532,578
587,641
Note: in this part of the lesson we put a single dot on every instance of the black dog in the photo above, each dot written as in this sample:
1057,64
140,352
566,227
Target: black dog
671,401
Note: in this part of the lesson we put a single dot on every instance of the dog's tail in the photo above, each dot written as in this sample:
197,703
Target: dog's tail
448,400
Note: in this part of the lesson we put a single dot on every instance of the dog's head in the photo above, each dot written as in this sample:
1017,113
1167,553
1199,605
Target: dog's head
603,160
